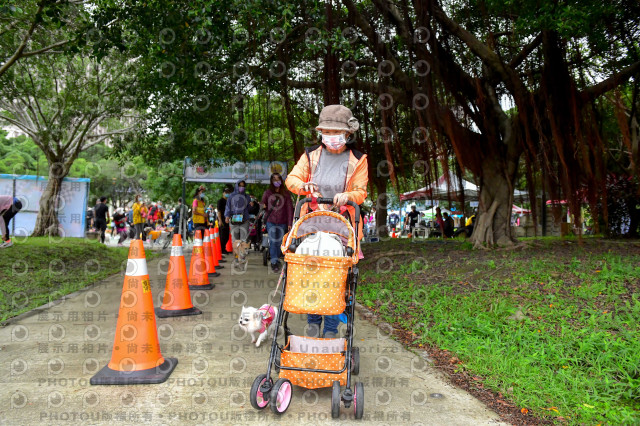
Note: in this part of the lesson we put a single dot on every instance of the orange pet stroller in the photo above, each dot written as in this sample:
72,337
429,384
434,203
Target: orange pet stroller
315,284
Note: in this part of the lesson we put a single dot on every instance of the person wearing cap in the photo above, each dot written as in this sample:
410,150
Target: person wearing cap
332,169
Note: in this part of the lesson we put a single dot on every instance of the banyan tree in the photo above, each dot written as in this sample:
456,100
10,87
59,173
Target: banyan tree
497,89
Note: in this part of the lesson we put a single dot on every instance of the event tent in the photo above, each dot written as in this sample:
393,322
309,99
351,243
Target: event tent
440,190
521,210
443,191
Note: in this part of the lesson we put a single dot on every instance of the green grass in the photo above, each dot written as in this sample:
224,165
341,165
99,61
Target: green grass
38,270
555,329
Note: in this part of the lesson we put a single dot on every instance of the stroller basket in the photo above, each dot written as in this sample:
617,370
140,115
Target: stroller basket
317,354
316,284
316,281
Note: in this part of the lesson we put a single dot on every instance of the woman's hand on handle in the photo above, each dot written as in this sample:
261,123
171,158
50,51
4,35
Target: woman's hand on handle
310,187
341,199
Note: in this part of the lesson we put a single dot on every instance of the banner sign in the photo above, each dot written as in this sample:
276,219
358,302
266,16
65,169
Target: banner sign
253,172
72,204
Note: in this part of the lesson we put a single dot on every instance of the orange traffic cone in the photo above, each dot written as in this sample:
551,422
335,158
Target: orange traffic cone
219,244
136,357
177,298
229,246
213,237
198,278
208,255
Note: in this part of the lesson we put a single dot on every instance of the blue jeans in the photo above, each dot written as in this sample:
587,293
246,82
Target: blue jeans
330,322
276,232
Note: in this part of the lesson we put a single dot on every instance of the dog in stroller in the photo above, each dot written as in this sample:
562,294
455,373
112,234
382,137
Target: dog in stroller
320,276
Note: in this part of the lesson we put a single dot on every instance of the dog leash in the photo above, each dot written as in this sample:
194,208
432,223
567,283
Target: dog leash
313,203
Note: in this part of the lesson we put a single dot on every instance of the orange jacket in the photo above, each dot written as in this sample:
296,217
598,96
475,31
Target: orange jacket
357,178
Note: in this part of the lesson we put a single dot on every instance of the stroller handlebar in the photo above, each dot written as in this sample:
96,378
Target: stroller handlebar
326,201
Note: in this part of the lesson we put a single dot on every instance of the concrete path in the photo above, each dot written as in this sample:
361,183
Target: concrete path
48,355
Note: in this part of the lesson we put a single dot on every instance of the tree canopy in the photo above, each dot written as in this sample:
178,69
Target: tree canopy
510,92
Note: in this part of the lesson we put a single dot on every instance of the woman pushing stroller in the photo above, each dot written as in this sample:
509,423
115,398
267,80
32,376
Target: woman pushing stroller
332,169
320,275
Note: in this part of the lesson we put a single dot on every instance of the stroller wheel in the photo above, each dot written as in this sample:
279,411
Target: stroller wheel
335,400
258,399
265,258
281,396
358,400
355,360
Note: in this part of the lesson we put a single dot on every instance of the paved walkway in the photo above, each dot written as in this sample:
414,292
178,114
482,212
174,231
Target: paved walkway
48,355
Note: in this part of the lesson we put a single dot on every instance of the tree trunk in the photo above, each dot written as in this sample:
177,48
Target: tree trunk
331,68
493,221
297,152
381,207
47,220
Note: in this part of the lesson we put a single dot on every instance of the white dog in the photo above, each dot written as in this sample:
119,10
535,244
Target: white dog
261,321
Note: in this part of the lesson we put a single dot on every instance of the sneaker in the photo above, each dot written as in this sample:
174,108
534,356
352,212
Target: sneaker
275,267
6,244
329,335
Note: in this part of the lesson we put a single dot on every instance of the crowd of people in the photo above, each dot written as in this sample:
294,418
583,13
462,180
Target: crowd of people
442,225
239,214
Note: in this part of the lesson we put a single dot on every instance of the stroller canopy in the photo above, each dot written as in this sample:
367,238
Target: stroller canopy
325,221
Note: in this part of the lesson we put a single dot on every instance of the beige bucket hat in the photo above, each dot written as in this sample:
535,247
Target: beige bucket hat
337,117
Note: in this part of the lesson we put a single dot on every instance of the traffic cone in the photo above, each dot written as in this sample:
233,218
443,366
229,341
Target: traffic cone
136,357
215,247
198,278
208,255
177,298
229,246
216,230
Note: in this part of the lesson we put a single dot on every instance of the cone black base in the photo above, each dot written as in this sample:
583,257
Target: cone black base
218,266
164,313
202,287
214,274
222,260
150,376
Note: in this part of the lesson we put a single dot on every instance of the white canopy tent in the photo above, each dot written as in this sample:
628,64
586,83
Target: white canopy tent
443,191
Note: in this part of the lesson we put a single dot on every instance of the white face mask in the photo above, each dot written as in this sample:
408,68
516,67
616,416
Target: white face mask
334,141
